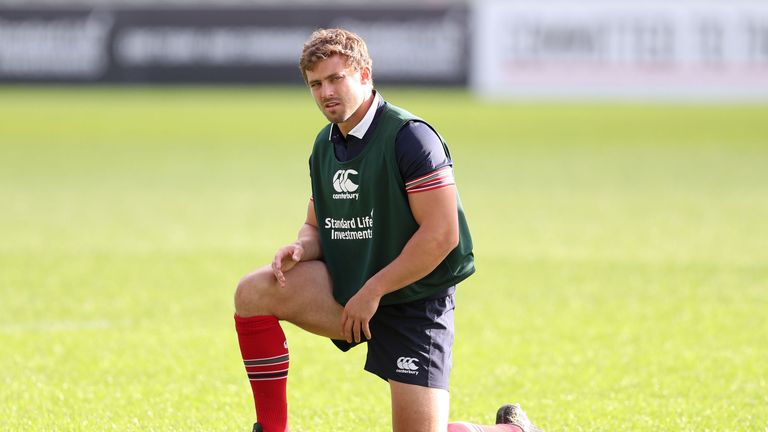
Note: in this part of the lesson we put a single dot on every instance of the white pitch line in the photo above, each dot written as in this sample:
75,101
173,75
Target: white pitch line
53,326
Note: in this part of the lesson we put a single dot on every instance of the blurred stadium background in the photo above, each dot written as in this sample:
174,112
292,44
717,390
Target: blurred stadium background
689,49
611,157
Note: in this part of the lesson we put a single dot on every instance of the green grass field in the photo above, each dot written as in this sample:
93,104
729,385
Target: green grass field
622,255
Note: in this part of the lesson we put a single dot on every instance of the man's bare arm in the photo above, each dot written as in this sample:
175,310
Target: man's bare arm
305,248
438,234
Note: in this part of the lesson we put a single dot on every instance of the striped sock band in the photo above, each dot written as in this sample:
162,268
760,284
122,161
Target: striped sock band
268,368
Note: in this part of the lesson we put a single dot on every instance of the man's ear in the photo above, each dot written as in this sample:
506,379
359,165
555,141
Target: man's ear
366,75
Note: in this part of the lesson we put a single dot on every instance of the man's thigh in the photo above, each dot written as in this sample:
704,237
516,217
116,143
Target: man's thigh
418,409
306,300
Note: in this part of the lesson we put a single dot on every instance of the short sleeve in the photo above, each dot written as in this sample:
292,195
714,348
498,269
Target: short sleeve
422,159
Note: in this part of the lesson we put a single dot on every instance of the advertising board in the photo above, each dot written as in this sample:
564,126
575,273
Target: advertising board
687,49
410,45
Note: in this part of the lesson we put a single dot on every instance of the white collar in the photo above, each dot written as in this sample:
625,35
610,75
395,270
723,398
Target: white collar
362,127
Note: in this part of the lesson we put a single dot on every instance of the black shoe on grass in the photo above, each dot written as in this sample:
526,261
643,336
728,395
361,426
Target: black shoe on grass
514,415
257,428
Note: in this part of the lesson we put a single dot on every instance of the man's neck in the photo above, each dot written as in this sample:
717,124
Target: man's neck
357,116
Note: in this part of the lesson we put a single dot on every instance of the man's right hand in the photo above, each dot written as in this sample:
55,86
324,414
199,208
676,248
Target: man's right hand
285,259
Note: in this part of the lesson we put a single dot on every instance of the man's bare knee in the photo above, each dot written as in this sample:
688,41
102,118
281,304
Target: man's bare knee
416,408
252,296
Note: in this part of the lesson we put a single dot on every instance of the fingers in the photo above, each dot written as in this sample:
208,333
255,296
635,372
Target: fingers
351,329
277,261
295,252
346,327
356,316
277,268
356,331
280,278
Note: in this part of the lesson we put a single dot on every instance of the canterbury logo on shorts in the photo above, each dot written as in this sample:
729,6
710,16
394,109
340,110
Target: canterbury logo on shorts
407,365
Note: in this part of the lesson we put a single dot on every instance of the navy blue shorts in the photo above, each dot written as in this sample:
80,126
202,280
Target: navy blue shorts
412,342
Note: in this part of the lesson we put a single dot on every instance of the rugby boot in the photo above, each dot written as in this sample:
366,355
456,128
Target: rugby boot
257,428
514,415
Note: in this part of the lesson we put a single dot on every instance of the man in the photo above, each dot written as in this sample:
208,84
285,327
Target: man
377,260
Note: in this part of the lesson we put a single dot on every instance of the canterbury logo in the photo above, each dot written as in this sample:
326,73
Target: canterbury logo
407,363
342,182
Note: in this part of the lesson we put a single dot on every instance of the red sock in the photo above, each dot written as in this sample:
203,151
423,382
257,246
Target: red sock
265,354
469,427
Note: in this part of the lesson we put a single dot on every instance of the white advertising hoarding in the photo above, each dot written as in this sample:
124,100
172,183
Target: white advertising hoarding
607,49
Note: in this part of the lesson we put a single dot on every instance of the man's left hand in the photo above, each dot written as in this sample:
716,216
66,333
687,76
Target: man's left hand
358,313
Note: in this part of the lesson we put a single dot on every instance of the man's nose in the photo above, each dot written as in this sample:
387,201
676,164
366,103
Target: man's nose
326,91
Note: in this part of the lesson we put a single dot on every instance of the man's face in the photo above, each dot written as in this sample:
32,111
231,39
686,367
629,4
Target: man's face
338,90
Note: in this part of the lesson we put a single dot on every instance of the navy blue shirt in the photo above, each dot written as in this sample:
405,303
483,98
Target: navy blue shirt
418,149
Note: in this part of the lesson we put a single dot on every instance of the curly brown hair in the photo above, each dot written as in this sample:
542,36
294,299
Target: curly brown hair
325,43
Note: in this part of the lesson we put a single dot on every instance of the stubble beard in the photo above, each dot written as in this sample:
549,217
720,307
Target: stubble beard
338,116
335,118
